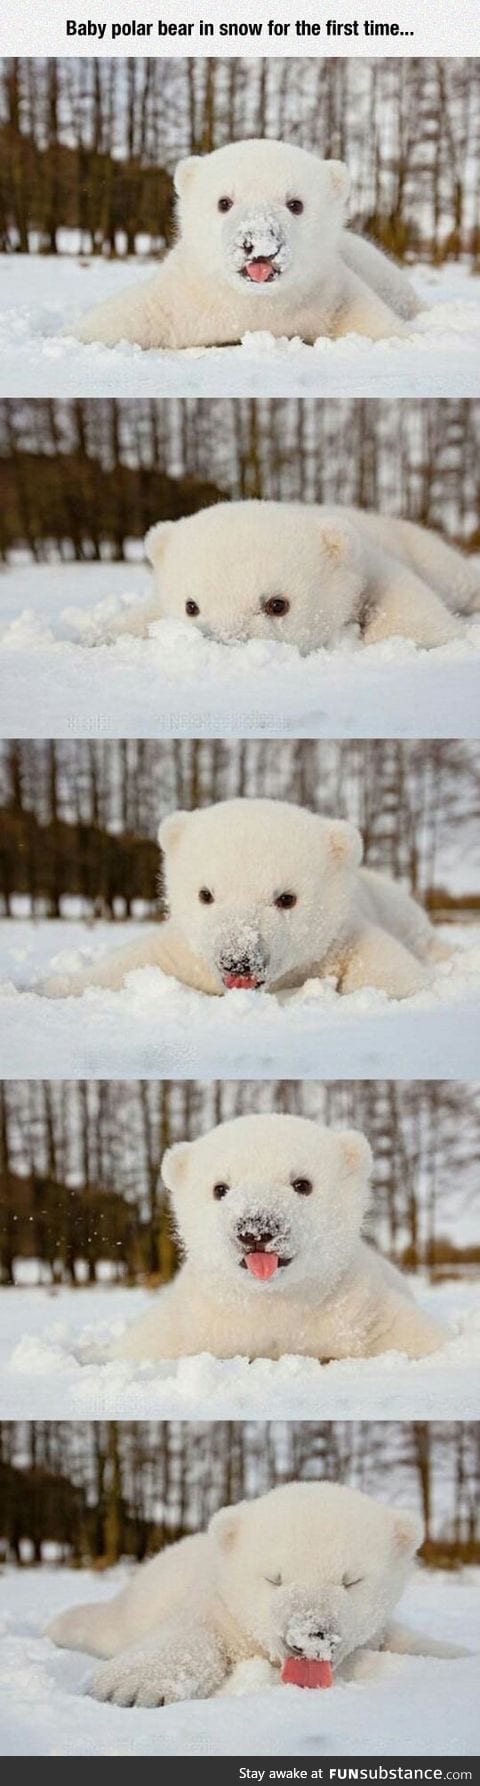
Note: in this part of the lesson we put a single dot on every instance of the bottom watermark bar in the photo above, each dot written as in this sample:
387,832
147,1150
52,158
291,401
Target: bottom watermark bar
232,1770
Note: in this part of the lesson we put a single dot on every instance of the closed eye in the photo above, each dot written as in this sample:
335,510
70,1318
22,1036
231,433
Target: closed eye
352,1584
275,1580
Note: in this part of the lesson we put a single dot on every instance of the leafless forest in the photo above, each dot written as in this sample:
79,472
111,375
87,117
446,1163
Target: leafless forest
83,480
88,1492
79,819
88,145
81,1195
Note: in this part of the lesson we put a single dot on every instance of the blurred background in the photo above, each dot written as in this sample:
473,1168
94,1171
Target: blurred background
88,1493
79,818
82,481
82,1200
88,146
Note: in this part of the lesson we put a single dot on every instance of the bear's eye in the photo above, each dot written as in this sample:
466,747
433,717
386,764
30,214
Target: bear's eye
276,605
295,205
205,896
220,1190
225,204
352,1584
303,1186
275,1580
285,901
191,608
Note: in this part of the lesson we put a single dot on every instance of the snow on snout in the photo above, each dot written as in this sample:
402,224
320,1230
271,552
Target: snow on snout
260,236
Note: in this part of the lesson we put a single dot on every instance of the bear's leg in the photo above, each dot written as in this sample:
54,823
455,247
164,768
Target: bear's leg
408,608
403,1642
133,622
362,312
185,1660
111,972
379,960
95,1629
381,274
403,1328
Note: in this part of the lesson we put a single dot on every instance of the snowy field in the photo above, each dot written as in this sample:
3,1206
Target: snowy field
53,1346
41,295
178,684
407,1705
155,1027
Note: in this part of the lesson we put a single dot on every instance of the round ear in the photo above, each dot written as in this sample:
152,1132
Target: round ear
224,1525
345,845
356,1153
170,830
185,174
339,179
174,1165
334,543
408,1533
156,540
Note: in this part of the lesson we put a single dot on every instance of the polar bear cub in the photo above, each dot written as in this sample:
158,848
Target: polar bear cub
261,245
265,894
301,574
269,1211
311,1570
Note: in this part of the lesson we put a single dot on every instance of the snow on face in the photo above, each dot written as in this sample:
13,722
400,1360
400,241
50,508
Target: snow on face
259,570
259,888
262,215
313,1568
265,1203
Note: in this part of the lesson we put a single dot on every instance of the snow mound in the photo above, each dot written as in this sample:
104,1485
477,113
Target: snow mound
48,1364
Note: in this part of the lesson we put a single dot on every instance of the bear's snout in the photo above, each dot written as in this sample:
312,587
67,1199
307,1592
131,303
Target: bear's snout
259,249
257,1232
243,967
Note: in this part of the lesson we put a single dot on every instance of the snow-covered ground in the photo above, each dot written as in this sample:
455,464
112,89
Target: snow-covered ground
53,1346
408,1705
155,1027
178,684
40,296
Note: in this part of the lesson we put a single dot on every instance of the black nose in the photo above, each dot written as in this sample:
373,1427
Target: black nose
256,1236
320,1634
247,245
237,964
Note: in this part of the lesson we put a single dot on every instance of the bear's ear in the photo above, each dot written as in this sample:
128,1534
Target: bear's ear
224,1526
339,178
170,830
345,845
408,1533
185,173
334,543
356,1152
156,540
174,1165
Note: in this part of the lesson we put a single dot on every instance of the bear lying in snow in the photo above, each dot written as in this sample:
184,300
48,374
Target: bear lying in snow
267,894
311,1571
269,1211
261,245
302,574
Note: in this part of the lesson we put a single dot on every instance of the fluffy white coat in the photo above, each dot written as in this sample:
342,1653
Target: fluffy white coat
312,1568
267,894
286,1187
247,258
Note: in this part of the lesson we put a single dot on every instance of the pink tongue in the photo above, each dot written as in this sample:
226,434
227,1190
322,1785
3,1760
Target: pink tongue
298,1671
261,1265
259,271
231,980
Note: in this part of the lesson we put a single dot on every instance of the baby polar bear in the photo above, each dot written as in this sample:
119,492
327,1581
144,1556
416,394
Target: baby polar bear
310,1572
302,574
269,1211
266,894
262,245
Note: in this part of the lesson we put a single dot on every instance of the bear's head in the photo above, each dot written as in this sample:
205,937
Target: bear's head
312,1569
259,888
264,216
265,1204
259,570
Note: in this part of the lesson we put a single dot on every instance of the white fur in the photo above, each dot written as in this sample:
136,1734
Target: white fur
327,282
349,923
334,567
211,1602
334,1297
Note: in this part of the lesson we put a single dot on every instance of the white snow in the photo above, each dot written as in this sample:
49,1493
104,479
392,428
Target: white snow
405,1705
177,683
53,1347
40,296
155,1027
